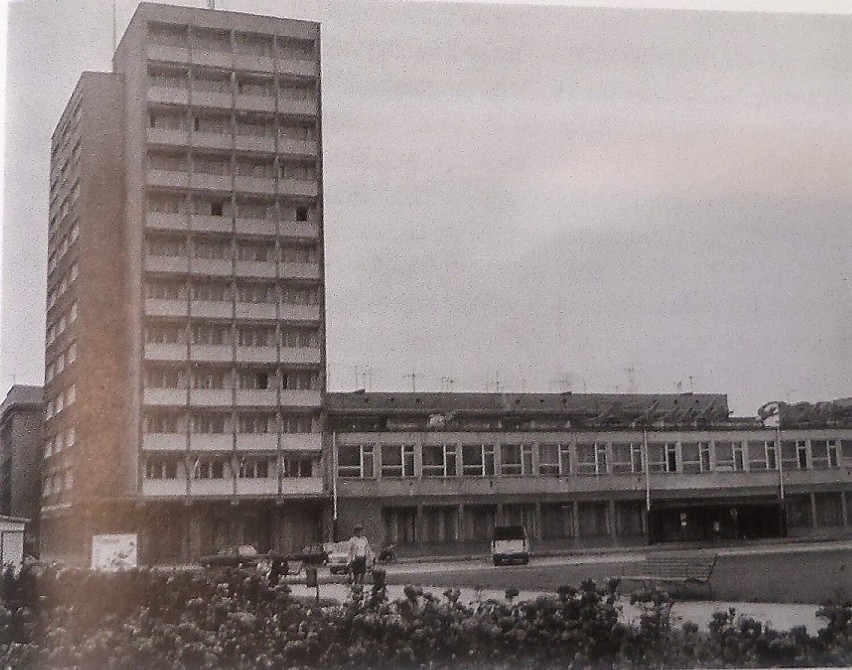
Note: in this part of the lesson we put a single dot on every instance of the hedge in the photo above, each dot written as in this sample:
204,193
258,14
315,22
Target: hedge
54,618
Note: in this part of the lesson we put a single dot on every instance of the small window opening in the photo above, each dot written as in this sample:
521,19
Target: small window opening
301,213
217,208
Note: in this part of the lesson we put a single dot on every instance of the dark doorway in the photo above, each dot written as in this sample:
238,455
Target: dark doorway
716,522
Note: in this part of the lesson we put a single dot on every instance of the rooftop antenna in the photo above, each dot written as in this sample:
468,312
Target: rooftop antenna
211,4
413,376
113,25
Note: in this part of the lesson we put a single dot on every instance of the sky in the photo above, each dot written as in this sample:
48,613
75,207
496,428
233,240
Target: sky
533,197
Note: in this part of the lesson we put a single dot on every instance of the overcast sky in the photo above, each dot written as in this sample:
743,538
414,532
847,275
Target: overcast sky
553,195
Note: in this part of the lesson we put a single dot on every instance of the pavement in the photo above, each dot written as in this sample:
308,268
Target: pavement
781,617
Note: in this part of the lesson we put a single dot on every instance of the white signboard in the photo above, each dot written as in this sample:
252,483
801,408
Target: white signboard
114,552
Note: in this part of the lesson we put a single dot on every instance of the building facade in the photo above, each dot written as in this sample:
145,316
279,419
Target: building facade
21,440
584,470
185,334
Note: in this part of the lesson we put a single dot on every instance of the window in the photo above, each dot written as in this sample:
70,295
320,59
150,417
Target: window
478,460
299,338
296,171
299,254
297,424
256,293
397,460
439,460
627,458
212,249
671,458
256,468
211,291
256,337
548,460
210,378
254,380
157,468
299,380
209,424
256,423
761,455
160,246
355,461
301,213
833,453
208,469
591,459
293,295
819,454
165,204
172,378
255,251
210,334
160,289
161,422
299,467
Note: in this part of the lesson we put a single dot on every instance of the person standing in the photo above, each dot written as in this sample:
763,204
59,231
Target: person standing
359,553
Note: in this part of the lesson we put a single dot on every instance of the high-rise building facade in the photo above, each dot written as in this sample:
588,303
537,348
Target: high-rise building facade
185,334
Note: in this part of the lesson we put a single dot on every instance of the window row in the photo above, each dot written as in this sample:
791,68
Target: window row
59,252
210,80
65,282
240,166
489,460
61,361
228,378
64,399
254,292
66,204
248,467
246,208
62,440
223,41
206,333
62,323
227,249
225,423
239,124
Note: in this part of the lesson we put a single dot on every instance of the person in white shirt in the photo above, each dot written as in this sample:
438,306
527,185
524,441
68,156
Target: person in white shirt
359,553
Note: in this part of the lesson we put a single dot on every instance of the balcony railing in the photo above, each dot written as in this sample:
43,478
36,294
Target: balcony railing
301,486
164,441
164,487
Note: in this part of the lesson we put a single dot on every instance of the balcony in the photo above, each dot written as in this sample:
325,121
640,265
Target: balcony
167,264
212,310
167,54
257,487
299,230
264,185
291,398
165,352
168,137
304,187
156,307
158,397
255,269
297,147
256,103
212,99
178,179
257,354
210,224
298,68
164,487
256,226
297,107
300,313
211,487
257,442
301,486
248,310
168,95
254,63
300,355
164,441
301,442
204,56
255,143
212,140
212,267
211,442
257,398
211,182
211,397
211,353
160,221
299,271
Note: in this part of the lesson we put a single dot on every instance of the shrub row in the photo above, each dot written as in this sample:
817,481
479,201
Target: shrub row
234,619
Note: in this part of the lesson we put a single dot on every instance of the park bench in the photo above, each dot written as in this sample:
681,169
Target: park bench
679,570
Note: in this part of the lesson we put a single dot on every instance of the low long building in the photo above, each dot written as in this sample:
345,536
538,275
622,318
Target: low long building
430,468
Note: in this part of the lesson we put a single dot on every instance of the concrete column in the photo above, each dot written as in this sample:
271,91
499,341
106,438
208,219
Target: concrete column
537,522
843,509
644,521
575,520
813,510
460,530
613,525
498,520
420,525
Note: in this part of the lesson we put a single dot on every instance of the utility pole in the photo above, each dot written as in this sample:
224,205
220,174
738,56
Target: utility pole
631,379
211,4
497,382
413,376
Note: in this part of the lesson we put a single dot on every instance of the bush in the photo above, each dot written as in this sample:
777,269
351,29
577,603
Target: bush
234,619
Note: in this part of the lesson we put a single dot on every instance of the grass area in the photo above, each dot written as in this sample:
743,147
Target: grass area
802,577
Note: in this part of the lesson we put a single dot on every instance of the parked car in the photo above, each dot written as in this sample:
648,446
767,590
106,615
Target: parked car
244,555
338,557
510,543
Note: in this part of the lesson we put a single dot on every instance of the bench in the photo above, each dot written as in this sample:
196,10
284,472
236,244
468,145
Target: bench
677,569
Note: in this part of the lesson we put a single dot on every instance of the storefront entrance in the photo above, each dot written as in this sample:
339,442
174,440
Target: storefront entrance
713,522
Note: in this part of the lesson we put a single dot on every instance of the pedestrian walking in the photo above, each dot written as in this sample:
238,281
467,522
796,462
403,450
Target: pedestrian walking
359,554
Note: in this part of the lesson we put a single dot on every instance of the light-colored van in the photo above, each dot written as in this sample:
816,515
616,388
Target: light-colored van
510,544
